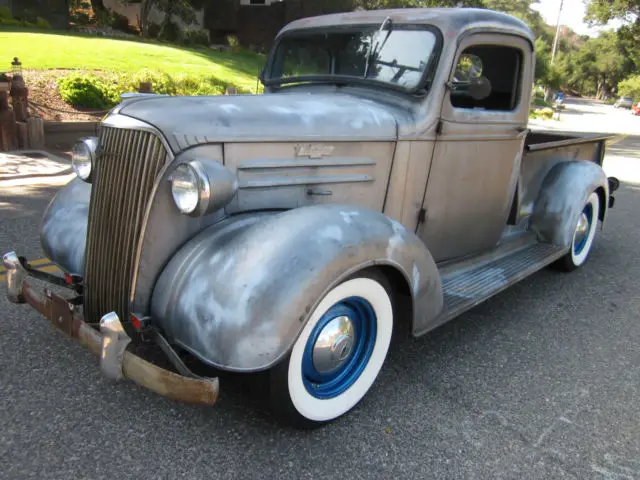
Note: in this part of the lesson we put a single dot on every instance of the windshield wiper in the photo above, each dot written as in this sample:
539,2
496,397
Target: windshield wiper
373,50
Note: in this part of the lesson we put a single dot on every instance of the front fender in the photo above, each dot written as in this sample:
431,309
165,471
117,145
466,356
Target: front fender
238,294
562,197
64,226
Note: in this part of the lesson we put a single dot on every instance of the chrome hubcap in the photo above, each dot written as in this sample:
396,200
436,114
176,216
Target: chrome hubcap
582,229
334,345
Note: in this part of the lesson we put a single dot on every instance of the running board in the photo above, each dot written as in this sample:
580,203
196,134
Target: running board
465,289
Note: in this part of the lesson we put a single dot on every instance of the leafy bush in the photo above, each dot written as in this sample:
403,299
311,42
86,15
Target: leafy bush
42,23
5,13
153,30
170,32
543,113
121,23
11,22
104,91
79,18
232,41
196,36
87,91
630,87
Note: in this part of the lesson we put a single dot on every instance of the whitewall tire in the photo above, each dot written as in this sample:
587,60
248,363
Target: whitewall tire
338,355
583,235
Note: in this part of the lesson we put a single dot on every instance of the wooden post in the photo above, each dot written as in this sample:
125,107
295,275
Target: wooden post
19,94
23,135
231,91
35,132
145,87
7,120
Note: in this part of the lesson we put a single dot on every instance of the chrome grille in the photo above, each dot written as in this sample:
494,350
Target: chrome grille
127,165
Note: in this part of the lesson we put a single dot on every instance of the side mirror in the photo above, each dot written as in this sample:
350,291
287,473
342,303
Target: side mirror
479,88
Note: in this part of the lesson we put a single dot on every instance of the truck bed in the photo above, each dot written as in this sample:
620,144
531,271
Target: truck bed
543,150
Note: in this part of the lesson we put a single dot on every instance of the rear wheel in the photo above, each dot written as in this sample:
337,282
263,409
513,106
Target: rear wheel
338,354
583,235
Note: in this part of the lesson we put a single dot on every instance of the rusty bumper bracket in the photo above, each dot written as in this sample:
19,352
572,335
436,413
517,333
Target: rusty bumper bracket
110,344
44,276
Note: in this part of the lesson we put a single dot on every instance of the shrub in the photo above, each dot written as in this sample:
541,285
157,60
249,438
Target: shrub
630,87
11,22
161,82
5,13
121,23
42,23
87,91
153,30
103,92
232,41
79,18
170,32
196,36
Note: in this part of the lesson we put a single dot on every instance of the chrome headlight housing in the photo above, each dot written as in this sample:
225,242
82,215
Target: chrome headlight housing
202,186
83,156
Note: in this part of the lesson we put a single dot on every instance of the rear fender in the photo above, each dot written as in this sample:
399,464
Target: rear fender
239,293
562,197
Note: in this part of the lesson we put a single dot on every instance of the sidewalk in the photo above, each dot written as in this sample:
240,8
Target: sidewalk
34,167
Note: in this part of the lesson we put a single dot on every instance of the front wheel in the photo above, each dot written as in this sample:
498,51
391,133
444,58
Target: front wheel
338,354
583,235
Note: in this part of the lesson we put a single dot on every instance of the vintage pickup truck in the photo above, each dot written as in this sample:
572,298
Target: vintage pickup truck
385,177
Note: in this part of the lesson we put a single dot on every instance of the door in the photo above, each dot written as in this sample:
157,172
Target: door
476,159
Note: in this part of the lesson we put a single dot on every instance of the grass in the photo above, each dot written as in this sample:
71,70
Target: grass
63,50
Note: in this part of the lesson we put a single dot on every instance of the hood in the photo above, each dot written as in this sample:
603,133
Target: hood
187,121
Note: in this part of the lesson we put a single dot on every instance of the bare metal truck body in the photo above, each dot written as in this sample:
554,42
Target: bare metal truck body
387,175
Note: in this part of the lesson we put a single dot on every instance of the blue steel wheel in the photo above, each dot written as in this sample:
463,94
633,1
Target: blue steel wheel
338,354
339,347
583,235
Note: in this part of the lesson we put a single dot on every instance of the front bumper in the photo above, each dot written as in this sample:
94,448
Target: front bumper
110,343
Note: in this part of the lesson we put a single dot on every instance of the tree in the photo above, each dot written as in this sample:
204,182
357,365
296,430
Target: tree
630,87
601,11
182,9
628,11
97,6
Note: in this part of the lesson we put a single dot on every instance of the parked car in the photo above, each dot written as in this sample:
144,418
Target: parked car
623,102
386,176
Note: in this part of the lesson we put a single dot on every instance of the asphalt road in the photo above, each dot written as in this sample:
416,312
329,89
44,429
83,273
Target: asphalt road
540,382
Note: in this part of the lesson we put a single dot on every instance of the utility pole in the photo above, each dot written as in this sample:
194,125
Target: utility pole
555,41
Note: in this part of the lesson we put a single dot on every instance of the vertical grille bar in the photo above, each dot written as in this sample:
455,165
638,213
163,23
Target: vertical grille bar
126,168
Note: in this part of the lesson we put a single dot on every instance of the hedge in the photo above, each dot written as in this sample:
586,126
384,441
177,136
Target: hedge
103,91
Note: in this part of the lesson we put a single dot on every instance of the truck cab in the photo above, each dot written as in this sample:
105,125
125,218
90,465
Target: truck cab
386,176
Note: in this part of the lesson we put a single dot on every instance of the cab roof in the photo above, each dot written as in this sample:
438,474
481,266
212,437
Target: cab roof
451,21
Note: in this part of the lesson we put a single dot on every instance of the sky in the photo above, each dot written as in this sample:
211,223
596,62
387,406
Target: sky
572,15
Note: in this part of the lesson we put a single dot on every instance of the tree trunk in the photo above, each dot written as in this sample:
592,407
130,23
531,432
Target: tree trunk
145,9
97,6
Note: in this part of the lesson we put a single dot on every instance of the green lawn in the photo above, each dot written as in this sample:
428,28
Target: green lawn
60,50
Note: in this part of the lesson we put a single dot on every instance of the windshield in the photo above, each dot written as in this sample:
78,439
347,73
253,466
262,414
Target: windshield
393,56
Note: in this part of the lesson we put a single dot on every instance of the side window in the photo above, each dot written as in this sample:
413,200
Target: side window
488,77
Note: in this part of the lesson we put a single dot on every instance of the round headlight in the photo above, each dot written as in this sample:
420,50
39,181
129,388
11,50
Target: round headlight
186,188
82,156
